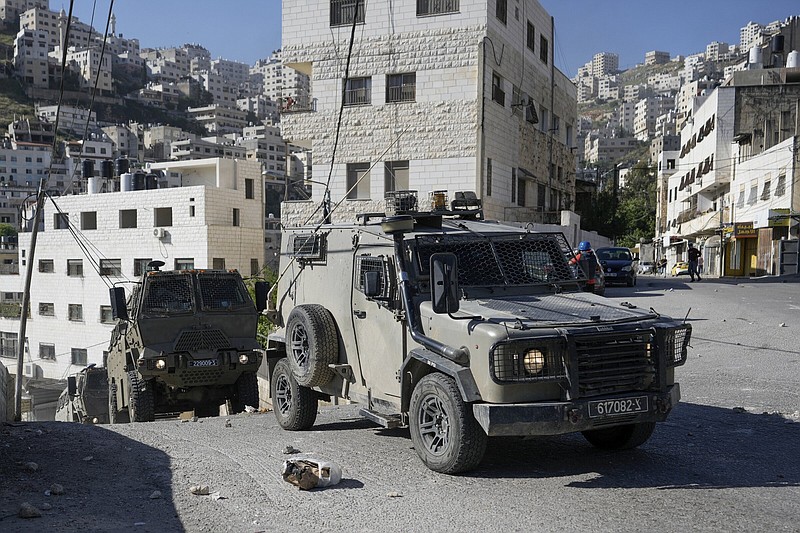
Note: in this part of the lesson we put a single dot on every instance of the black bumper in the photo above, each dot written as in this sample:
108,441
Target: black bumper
554,418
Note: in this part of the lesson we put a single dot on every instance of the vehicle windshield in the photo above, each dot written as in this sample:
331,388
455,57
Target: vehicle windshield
614,254
171,294
221,292
522,259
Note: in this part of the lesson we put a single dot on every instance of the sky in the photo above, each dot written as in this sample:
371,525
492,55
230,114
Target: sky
248,30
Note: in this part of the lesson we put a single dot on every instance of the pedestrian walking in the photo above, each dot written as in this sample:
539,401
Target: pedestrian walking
662,266
694,257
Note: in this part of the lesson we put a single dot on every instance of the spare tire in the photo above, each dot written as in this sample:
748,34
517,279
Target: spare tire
311,344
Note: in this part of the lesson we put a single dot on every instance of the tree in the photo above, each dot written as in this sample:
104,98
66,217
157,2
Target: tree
637,206
7,230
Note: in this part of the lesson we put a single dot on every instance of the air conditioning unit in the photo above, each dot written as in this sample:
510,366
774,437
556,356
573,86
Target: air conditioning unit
159,233
33,371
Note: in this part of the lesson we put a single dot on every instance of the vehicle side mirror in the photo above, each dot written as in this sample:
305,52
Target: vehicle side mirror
72,386
635,257
118,307
444,283
372,283
262,290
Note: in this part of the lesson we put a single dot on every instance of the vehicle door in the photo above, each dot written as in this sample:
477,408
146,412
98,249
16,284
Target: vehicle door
379,337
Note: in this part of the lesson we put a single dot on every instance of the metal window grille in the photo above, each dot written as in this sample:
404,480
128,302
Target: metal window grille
401,87
307,246
106,315
435,7
46,309
75,267
75,312
111,267
342,11
79,356
676,343
358,91
8,344
365,263
168,294
47,351
613,364
527,259
221,292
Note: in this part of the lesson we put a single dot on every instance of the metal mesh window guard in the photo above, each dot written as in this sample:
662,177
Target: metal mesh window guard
528,360
221,292
517,259
433,7
169,294
375,264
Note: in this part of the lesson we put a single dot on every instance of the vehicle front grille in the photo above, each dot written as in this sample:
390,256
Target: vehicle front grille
205,339
199,376
616,364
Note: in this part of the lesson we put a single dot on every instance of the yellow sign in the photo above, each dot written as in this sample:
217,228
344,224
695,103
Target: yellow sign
779,217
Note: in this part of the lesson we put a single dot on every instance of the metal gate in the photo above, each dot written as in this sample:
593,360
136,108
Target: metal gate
790,257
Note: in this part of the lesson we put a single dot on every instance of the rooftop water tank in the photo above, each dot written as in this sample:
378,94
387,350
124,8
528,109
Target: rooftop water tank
107,168
793,59
123,165
88,168
126,181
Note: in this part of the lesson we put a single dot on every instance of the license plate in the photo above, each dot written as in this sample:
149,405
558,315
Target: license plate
622,406
611,274
203,362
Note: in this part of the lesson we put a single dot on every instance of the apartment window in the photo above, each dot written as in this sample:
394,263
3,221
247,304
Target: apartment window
396,176
218,263
162,216
358,180
401,87
254,270
127,218
8,344
140,266
106,315
191,211
740,201
47,351
488,177
501,11
46,265
521,192
79,356
498,95
780,188
89,220
540,196
765,191
435,7
544,47
358,91
111,267
184,264
513,185
47,309
61,221
249,189
235,216
75,312
753,196
343,11
75,268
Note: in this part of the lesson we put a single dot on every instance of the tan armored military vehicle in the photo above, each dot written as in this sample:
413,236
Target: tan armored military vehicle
462,328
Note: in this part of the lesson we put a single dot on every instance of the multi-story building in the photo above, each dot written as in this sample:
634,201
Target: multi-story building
204,148
199,57
124,139
261,106
218,119
435,99
234,73
215,220
157,141
646,112
224,93
88,63
10,10
608,88
655,57
635,92
717,51
663,82
605,150
166,64
605,63
55,24
750,35
31,64
280,83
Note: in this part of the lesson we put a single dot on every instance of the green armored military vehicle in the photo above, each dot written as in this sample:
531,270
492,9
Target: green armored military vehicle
84,399
185,340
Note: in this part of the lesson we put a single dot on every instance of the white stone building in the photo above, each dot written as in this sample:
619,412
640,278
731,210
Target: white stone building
656,57
214,221
88,62
10,10
219,119
435,99
31,64
605,63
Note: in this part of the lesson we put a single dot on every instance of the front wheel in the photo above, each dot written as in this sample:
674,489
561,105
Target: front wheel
141,400
620,437
295,406
443,429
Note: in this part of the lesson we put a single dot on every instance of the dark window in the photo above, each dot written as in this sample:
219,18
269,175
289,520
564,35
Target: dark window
502,11
531,40
540,196
358,180
61,221
46,265
140,266
343,11
75,312
780,188
544,46
235,216
498,95
79,356
521,192
488,177
8,344
75,267
513,185
254,270
358,91
162,216
47,309
106,316
184,264
396,176
435,7
47,351
401,87
127,218
249,189
89,220
111,267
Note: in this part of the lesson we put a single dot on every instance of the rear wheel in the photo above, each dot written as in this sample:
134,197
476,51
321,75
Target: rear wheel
620,437
246,392
114,415
140,399
444,431
295,406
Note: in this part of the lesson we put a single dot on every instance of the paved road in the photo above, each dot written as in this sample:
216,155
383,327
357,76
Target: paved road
726,460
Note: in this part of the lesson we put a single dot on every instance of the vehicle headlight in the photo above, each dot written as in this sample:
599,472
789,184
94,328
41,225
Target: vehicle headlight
161,364
533,361
244,358
626,269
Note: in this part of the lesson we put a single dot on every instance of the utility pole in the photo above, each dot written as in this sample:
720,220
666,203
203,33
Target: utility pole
26,298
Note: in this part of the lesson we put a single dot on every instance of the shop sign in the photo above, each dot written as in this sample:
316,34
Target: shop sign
779,218
744,230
